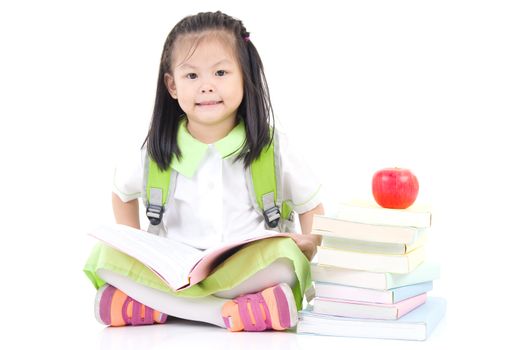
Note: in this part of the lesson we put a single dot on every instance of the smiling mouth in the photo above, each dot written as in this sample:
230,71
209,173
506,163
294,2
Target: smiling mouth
209,103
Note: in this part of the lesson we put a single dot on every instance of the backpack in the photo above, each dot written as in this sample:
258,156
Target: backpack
263,175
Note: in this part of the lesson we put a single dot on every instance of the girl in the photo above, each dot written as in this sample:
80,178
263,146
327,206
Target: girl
211,120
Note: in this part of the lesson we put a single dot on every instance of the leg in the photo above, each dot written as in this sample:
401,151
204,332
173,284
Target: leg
206,309
263,301
115,308
280,271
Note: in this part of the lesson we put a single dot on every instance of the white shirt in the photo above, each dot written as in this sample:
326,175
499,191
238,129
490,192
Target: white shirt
211,202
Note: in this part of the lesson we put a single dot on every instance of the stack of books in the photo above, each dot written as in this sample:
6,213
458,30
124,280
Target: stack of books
371,277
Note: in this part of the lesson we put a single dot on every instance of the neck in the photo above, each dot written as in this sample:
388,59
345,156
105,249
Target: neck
209,134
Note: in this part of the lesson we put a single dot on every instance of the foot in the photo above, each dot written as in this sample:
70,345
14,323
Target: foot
115,308
273,308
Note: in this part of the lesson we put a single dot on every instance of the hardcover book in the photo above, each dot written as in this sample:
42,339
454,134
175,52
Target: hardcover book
426,271
389,296
416,325
349,308
342,228
371,213
371,262
373,247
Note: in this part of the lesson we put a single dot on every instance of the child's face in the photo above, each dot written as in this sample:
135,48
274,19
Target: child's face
208,84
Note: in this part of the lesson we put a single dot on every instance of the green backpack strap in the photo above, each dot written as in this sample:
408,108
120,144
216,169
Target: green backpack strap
157,189
264,172
264,176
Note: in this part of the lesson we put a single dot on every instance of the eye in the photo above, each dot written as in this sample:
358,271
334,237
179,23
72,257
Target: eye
191,76
220,73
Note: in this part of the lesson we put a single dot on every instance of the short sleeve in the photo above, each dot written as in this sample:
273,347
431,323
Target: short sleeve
128,177
301,187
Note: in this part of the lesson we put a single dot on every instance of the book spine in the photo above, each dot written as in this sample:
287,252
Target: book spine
415,258
426,271
407,305
403,293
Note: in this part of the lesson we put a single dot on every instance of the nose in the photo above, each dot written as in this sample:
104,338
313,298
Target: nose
207,87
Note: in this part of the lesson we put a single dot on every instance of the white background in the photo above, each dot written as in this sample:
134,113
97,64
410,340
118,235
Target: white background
437,87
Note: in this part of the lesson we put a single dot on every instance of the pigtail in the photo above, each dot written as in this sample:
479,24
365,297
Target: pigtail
256,109
256,106
161,140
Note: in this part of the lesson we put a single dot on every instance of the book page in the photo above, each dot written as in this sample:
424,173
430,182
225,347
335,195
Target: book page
212,257
169,259
176,263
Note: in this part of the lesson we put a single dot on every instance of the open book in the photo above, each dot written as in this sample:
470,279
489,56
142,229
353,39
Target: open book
179,265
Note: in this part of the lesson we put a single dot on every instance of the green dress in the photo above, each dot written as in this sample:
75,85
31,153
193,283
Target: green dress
252,258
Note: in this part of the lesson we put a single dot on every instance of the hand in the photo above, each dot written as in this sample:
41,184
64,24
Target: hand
306,243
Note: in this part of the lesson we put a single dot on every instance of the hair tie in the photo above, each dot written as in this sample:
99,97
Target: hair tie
246,38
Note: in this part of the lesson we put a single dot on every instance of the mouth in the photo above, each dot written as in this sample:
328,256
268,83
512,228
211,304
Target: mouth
208,103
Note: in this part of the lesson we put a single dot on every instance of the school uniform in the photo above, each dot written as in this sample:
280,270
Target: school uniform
212,204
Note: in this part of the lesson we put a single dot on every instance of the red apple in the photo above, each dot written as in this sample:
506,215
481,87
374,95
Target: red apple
394,188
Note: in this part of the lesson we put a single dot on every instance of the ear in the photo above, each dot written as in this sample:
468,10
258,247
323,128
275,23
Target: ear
171,86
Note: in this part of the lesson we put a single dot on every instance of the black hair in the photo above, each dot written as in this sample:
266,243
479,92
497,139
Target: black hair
255,109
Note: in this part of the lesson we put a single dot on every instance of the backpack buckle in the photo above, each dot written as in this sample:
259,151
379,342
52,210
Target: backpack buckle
155,213
272,216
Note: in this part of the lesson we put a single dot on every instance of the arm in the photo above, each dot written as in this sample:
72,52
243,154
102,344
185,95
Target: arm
308,242
126,213
306,219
